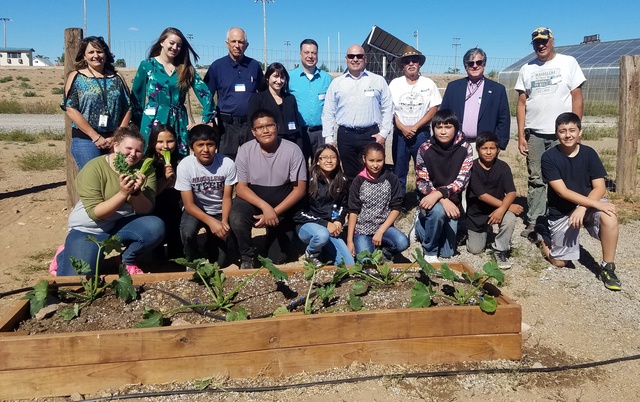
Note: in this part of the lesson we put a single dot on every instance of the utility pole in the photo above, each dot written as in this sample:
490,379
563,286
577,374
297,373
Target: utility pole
455,59
4,21
264,18
415,35
84,32
109,23
287,44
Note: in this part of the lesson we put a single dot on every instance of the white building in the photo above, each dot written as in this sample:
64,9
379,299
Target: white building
12,56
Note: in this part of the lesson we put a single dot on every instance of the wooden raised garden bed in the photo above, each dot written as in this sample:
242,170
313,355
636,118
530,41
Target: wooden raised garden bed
86,362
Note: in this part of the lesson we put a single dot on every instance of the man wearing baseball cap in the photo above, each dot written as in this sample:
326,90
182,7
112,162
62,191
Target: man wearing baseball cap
547,86
415,101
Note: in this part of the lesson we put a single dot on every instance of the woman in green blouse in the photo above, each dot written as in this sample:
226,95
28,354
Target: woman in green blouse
161,86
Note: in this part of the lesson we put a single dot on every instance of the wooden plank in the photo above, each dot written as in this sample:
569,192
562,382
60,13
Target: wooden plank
30,383
279,332
628,125
17,313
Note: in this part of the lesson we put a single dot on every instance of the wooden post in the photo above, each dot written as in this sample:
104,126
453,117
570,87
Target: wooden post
628,125
72,38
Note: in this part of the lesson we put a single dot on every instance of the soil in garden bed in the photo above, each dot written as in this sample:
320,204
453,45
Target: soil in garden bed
260,297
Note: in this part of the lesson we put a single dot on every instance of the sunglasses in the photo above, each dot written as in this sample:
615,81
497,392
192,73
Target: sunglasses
413,60
537,32
359,56
478,63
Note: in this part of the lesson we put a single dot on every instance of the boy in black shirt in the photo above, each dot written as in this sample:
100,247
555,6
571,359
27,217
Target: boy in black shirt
490,197
576,187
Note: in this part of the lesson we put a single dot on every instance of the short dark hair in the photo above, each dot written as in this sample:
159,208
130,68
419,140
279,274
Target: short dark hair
308,42
445,116
486,136
202,132
260,113
568,117
471,53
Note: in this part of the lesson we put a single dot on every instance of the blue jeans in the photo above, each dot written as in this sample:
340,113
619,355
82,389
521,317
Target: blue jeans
393,242
84,150
437,232
139,234
320,242
403,150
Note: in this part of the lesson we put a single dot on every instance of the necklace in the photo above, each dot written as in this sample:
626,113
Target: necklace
472,89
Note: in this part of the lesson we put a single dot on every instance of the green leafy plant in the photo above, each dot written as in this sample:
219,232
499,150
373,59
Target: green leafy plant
370,267
122,167
166,155
422,294
213,278
93,285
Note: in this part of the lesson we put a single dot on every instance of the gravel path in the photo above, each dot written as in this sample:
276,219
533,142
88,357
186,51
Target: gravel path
32,123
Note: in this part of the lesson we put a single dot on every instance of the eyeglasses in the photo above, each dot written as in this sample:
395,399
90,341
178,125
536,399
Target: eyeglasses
266,127
359,56
413,60
328,158
478,63
546,32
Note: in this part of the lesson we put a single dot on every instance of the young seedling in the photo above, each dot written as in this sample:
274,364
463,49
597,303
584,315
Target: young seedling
422,294
94,285
213,278
370,267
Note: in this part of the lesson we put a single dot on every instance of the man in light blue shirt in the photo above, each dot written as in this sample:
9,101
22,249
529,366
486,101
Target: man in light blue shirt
360,104
309,85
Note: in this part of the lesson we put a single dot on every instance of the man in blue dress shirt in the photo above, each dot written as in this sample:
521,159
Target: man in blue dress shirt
359,103
234,78
309,85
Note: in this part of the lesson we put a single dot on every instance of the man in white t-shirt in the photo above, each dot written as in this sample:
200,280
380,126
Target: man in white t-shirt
547,86
415,101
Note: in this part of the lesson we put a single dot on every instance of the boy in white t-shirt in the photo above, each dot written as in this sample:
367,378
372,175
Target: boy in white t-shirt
205,180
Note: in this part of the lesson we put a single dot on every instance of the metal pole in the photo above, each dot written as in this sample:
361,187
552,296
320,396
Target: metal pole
109,23
287,43
455,59
264,18
84,33
4,21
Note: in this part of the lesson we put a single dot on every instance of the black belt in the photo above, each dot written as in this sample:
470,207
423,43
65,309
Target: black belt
314,128
361,130
229,118
537,134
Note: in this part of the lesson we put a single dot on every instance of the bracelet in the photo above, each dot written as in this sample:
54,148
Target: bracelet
97,139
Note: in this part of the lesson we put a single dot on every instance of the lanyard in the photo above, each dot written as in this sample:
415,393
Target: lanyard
103,90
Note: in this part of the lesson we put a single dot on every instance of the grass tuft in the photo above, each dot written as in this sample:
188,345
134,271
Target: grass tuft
40,161
595,133
29,94
39,107
8,78
57,91
23,136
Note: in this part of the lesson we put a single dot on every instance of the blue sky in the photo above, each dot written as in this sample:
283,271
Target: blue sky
501,28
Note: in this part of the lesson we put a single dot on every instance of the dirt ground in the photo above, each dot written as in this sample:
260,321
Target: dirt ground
568,316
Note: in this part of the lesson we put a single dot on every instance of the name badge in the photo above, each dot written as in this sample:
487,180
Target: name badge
480,100
369,93
292,125
240,88
102,121
321,97
150,111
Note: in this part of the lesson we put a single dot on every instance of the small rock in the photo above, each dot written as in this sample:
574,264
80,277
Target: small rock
76,397
17,211
179,321
537,365
47,311
524,327
21,223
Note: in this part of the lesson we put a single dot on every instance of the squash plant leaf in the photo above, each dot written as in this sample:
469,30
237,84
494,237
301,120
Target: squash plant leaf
37,297
70,313
281,311
123,286
355,303
448,273
326,292
488,304
359,288
80,266
426,267
109,244
420,295
239,315
492,270
273,270
150,318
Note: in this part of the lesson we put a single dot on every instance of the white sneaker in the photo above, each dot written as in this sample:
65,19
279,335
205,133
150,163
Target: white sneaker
413,236
432,259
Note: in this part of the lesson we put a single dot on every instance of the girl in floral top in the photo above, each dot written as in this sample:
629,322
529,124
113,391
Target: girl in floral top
161,86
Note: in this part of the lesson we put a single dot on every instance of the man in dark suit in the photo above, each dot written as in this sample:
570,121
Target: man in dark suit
480,103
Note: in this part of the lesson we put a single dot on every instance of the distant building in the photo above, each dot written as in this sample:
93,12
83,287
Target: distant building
12,56
42,62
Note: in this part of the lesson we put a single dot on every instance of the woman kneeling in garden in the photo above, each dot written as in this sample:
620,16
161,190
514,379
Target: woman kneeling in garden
112,204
